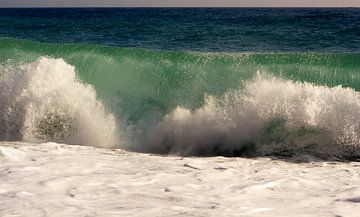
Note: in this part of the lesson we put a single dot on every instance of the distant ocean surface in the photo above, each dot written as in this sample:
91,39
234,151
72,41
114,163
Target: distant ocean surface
200,29
191,81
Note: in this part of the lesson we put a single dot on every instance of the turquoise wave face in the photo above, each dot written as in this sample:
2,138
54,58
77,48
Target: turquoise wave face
141,84
198,103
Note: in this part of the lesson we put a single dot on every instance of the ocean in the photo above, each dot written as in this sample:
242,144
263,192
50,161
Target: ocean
183,81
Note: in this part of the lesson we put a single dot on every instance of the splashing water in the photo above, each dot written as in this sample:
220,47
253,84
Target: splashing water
270,115
44,101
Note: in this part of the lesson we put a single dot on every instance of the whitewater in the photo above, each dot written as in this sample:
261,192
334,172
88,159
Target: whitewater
100,131
293,122
53,179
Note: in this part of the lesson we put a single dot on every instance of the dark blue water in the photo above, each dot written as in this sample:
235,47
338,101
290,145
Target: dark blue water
200,29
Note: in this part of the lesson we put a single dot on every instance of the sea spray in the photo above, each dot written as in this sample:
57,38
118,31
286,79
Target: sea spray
269,116
44,101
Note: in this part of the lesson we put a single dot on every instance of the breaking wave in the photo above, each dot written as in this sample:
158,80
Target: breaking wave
181,103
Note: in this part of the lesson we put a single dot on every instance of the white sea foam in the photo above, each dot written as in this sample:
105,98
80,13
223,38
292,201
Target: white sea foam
269,115
57,180
44,101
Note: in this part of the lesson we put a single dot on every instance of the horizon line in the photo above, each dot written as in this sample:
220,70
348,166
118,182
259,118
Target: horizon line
180,7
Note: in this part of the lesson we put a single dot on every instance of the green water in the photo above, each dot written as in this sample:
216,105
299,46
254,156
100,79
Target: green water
143,85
